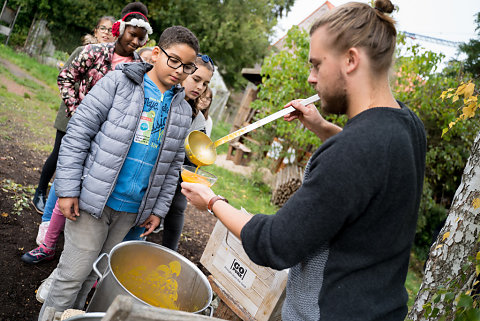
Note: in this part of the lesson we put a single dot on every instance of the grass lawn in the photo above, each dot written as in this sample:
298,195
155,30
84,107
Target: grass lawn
37,111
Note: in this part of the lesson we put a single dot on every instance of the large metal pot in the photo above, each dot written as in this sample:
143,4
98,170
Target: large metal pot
152,275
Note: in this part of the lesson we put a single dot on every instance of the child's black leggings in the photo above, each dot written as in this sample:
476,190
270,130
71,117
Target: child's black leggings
173,223
50,164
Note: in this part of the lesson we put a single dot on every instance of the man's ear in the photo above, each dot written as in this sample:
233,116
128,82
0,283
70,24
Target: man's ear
352,60
156,52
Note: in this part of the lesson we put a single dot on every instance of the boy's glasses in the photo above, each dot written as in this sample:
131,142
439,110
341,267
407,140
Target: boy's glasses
206,59
105,29
175,63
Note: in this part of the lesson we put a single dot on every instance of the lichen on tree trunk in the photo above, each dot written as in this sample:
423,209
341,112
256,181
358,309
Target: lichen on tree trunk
457,241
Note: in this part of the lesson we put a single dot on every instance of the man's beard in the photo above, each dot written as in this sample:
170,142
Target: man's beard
336,101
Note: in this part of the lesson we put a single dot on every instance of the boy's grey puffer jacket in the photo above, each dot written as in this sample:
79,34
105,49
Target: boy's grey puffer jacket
99,136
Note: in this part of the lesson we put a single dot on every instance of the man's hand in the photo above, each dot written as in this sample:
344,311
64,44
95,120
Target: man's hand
69,207
150,224
310,117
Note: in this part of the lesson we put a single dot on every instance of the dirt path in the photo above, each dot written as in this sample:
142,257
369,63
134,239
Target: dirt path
20,73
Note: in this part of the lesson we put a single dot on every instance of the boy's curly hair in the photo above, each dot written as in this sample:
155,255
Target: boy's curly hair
178,35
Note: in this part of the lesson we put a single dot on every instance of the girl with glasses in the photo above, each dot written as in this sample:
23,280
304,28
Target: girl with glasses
102,32
195,86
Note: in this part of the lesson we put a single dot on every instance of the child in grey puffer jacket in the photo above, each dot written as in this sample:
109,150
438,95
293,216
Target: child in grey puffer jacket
120,159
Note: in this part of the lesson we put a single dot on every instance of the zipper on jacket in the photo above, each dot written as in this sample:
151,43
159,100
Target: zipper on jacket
123,159
154,170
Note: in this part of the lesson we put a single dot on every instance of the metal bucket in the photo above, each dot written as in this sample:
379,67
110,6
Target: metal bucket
152,275
96,316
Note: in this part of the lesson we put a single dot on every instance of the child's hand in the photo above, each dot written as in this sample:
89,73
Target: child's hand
197,194
150,224
69,207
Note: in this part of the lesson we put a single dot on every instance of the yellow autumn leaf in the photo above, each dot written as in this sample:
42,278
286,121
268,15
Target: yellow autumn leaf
445,236
475,283
449,95
451,124
478,256
438,246
468,292
4,214
468,112
460,89
476,203
470,99
477,269
469,90
455,98
444,131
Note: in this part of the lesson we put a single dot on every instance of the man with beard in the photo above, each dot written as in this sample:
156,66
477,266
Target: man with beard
346,233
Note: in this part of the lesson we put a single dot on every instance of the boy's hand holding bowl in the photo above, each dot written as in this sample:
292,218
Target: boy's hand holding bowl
197,194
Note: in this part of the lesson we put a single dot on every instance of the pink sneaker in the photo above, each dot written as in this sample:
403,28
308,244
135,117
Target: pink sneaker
42,230
39,254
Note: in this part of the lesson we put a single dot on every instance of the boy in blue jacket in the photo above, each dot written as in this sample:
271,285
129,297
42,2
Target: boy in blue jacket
119,161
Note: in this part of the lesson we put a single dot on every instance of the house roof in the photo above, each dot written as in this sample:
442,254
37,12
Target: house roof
253,75
308,21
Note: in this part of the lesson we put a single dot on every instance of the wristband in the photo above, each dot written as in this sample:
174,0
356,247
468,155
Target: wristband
212,201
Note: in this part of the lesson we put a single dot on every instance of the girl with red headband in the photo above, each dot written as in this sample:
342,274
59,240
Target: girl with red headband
95,61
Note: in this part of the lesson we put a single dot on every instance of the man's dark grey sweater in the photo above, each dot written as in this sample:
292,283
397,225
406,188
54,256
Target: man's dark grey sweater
346,233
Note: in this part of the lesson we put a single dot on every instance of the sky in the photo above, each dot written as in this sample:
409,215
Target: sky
444,19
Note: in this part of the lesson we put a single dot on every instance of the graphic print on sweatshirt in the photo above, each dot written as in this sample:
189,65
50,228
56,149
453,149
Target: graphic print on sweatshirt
149,124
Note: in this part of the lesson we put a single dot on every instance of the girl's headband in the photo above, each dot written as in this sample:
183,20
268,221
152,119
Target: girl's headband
118,27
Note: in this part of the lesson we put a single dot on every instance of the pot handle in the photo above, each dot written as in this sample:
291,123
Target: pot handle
95,268
211,310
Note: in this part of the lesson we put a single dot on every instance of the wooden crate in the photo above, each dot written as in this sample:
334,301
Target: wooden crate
258,291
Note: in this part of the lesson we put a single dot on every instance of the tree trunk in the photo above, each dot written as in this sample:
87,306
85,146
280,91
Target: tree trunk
457,241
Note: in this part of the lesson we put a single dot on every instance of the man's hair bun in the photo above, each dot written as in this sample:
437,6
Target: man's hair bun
385,6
